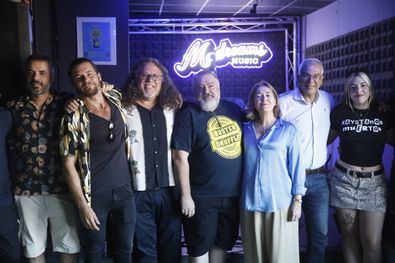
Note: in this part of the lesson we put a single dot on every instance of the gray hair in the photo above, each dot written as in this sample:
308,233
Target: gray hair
309,61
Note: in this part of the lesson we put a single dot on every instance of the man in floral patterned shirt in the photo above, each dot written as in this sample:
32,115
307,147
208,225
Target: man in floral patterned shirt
40,191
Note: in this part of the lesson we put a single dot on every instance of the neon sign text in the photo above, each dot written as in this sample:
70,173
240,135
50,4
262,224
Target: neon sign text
204,54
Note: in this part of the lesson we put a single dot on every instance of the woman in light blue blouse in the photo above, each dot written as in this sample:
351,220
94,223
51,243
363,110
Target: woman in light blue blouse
273,181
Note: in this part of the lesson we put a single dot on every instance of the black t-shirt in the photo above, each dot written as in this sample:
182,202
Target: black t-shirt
213,141
109,165
362,134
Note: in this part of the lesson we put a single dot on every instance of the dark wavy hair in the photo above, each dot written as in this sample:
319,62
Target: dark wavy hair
252,113
169,97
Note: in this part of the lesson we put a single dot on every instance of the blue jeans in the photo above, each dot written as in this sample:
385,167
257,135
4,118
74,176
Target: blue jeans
119,204
316,210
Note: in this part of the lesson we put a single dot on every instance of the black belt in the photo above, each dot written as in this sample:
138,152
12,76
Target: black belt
320,170
358,174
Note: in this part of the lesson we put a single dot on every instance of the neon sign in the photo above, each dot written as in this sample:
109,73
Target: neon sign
204,54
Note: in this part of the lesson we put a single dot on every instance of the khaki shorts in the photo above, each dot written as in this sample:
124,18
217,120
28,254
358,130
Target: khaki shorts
34,214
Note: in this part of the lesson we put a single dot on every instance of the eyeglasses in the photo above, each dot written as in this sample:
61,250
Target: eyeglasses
307,77
154,77
111,136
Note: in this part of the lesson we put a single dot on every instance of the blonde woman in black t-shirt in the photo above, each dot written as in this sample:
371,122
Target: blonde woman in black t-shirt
358,183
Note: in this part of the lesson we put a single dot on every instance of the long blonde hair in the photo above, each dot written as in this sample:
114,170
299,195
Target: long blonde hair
350,78
252,113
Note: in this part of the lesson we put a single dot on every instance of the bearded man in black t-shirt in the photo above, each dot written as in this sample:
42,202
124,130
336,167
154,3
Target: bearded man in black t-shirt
206,147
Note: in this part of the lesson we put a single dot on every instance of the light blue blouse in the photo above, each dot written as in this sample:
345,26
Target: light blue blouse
273,168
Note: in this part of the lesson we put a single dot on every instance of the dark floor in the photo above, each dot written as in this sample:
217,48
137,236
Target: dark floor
332,256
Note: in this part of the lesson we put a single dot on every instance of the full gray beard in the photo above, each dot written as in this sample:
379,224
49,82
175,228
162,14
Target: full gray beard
209,105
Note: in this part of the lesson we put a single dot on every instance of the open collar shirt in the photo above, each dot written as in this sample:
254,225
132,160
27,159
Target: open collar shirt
273,168
75,137
35,146
312,121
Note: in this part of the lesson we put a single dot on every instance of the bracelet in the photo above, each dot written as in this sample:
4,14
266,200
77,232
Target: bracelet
298,200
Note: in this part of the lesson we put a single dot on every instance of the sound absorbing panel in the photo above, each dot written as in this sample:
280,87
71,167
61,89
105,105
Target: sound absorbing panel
370,49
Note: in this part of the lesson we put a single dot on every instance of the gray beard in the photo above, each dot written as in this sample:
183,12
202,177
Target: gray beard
209,105
38,93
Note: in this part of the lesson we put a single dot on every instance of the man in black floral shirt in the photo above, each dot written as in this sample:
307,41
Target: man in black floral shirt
40,190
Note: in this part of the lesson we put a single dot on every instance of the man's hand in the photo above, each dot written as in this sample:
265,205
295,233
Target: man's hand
71,105
89,219
105,87
187,206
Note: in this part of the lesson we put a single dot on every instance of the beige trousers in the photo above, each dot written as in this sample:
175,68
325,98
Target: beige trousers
269,237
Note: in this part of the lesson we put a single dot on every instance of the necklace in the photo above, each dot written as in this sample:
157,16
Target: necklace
361,113
263,129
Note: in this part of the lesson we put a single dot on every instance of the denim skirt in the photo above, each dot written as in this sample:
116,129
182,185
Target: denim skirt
350,192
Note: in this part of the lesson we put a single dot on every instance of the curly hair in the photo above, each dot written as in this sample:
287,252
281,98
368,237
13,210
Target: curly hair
252,113
169,97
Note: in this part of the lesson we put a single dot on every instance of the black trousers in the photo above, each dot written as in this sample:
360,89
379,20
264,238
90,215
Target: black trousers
10,248
119,204
158,226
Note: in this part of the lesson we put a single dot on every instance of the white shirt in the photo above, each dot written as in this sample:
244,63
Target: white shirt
312,121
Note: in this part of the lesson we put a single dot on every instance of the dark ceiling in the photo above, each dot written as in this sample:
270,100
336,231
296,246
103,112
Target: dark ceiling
223,8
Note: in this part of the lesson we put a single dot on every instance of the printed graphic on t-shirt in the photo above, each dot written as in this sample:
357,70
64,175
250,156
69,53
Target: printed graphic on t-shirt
362,125
225,136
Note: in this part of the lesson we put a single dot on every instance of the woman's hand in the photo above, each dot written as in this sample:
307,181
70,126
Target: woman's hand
295,210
